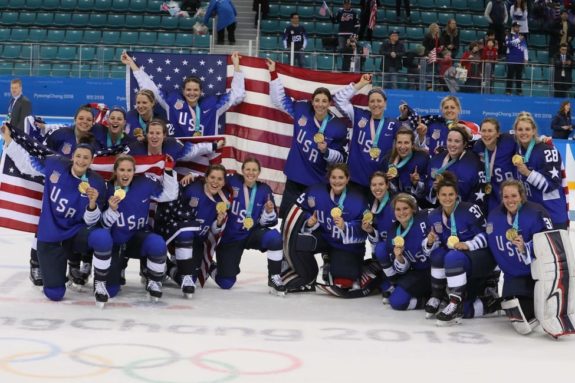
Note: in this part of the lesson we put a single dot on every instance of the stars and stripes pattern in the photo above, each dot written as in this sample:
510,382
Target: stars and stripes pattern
372,15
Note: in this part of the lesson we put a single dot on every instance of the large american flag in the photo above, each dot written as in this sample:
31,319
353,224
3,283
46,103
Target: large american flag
253,128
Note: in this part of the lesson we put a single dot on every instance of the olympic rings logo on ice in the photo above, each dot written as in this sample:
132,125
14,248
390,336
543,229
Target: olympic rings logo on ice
99,359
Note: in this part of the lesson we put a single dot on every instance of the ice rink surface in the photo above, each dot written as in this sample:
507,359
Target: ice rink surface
248,335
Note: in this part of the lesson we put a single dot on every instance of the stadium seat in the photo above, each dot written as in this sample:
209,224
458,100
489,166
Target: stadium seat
274,10
375,47
459,5
98,20
118,71
325,29
120,5
464,20
202,41
139,6
4,34
103,5
443,18
107,54
27,18
80,19
87,53
23,69
305,11
37,35
542,57
426,4
61,70
269,43
500,70
66,53
154,6
391,16
134,21
166,39
537,41
11,51
26,52
428,18
169,22
476,6
68,5
86,5
44,69
286,10
152,21
9,18
74,36
62,19
116,21
445,4
184,39
55,36
110,37
45,4
311,45
92,37
19,34
129,38
467,35
380,31
269,26
480,21
269,55
149,38
325,62
48,52
44,19
414,33
16,4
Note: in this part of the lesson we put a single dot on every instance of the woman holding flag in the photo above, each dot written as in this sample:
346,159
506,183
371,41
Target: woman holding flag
249,226
540,169
457,246
372,135
318,139
190,113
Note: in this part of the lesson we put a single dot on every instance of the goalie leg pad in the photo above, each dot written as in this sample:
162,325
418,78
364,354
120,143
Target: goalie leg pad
515,315
554,272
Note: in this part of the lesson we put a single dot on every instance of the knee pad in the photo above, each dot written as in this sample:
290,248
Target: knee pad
154,246
272,240
381,255
455,259
55,293
113,290
184,239
100,240
225,283
399,299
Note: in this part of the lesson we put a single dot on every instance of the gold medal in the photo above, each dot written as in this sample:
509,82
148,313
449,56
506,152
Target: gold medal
511,234
83,187
248,222
138,132
318,138
221,207
517,159
197,133
120,193
452,241
374,152
398,241
336,212
452,125
488,188
392,172
367,216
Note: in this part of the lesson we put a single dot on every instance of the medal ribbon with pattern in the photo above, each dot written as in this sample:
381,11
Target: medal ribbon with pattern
513,232
529,150
399,239
338,211
220,206
453,239
197,116
489,163
399,165
248,220
445,166
375,151
381,205
109,139
320,136
143,124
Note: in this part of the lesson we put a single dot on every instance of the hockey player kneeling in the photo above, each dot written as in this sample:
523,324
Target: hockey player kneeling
554,273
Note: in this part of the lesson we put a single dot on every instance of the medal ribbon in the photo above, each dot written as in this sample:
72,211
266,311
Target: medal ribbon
402,162
125,188
515,224
109,139
529,150
453,226
252,198
323,123
220,193
84,178
398,232
374,132
489,162
197,115
381,205
341,198
143,124
446,165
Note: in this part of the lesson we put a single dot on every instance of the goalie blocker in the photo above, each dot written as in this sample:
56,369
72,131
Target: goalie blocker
553,270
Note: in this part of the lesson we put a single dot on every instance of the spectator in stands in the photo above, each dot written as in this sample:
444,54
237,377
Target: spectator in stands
489,59
471,60
561,124
447,71
433,48
265,7
413,61
561,32
351,61
517,57
19,107
226,19
367,7
518,13
295,33
490,35
191,6
393,52
407,7
563,62
450,37
348,24
496,14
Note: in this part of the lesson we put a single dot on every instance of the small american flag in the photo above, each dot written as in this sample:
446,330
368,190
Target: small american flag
372,15
324,10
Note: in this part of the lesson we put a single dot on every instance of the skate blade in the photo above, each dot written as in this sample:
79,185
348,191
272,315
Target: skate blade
385,301
153,298
273,291
188,295
430,315
453,322
100,305
76,287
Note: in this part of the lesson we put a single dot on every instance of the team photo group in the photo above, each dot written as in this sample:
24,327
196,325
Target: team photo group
459,219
